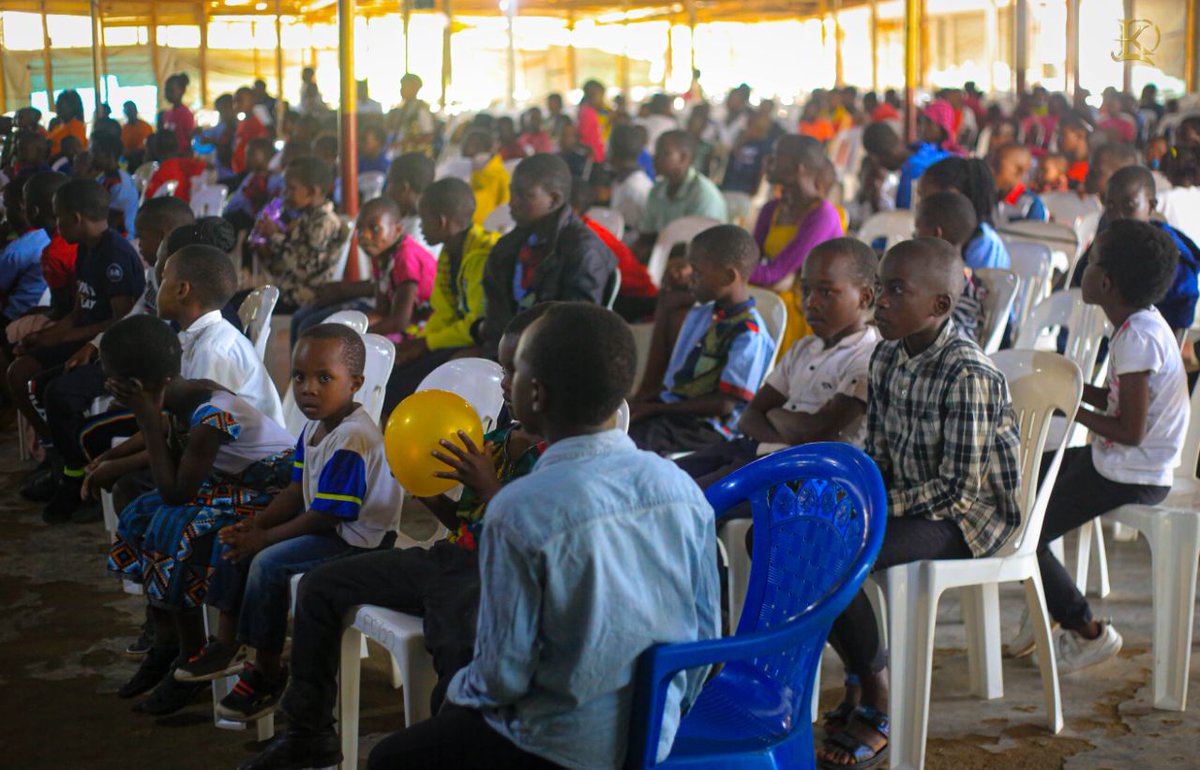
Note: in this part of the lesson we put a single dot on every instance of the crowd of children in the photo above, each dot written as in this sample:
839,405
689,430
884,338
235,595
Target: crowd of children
220,505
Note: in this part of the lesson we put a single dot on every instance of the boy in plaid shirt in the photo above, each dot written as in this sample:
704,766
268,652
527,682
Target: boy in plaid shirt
941,428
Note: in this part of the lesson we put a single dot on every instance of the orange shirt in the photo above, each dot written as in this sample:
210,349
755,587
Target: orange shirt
134,135
73,128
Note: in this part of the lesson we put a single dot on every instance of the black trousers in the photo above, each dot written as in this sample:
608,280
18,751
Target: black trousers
855,634
669,433
1080,495
440,584
67,399
457,738
406,378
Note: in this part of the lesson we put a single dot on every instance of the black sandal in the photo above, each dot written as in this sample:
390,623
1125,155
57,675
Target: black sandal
841,714
863,755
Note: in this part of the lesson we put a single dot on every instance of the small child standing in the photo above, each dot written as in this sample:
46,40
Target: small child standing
302,254
720,357
342,500
1138,421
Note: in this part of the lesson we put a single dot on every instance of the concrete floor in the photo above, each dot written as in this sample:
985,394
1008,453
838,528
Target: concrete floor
64,624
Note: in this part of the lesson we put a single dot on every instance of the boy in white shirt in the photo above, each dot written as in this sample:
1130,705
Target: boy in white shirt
1138,421
342,500
818,392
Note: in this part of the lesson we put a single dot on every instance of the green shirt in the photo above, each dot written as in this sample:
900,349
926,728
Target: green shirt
696,197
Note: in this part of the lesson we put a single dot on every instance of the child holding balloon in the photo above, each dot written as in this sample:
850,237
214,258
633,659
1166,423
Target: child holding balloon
341,500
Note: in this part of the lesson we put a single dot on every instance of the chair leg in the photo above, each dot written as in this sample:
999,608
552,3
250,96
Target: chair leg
1059,551
349,674
1083,555
878,601
816,691
981,614
397,674
419,680
1174,546
1039,615
912,611
1101,559
733,537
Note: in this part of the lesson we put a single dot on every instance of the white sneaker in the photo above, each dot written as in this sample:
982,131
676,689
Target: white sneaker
1075,653
1024,642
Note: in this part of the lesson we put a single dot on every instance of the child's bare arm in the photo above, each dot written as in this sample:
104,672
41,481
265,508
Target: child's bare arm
284,506
711,405
445,509
396,317
754,421
826,424
244,541
1095,397
1128,426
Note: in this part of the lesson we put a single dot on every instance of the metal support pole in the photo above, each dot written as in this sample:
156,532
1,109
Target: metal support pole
670,55
254,37
447,48
3,84
1071,81
94,7
47,60
1021,40
1190,74
348,112
280,106
691,14
623,63
407,19
572,71
152,37
1127,64
511,81
925,49
839,64
912,42
990,55
875,45
202,20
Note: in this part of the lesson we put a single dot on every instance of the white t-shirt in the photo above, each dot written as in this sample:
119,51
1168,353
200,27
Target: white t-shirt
1180,206
656,126
347,476
251,435
213,349
1145,343
810,374
629,197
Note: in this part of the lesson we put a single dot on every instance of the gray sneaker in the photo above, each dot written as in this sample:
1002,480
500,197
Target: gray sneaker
1076,653
1024,642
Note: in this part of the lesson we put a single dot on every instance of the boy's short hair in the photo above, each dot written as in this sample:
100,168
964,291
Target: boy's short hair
1132,178
375,131
582,194
550,172
414,168
523,320
209,271
41,188
165,142
380,205
85,197
952,212
624,142
880,139
728,246
863,262
169,212
680,140
1011,148
1139,258
142,346
107,143
806,150
584,354
327,144
206,231
354,351
452,198
310,172
940,263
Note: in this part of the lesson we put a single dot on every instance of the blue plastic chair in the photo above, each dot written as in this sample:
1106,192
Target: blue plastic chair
819,513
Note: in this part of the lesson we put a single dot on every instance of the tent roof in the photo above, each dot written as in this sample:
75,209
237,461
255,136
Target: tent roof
138,12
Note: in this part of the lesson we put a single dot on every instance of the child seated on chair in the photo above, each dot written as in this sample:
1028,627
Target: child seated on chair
257,187
1051,174
302,254
1010,166
972,178
720,358
342,500
941,428
447,210
408,178
175,164
819,390
233,461
562,532
371,155
951,217
681,191
122,192
396,296
550,254
489,179
1138,421
638,295
21,281
439,584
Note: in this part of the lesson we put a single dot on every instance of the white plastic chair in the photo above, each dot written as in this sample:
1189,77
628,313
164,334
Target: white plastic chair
614,288
500,220
167,189
1172,528
1000,290
682,230
1060,239
1086,327
355,319
738,205
293,419
1040,383
774,313
141,178
255,315
1085,229
894,226
1065,208
623,416
381,354
209,200
343,257
1032,264
370,185
610,219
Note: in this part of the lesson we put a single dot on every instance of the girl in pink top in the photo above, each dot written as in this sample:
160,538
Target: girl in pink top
179,118
403,270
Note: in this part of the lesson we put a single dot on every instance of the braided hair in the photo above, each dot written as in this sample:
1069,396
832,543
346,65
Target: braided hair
972,178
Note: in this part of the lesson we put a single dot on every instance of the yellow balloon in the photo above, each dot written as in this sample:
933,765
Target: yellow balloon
414,431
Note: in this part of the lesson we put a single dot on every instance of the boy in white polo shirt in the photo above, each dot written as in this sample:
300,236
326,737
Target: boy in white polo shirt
1138,421
342,500
819,390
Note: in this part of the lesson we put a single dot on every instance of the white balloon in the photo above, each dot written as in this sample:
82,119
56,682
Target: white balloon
475,379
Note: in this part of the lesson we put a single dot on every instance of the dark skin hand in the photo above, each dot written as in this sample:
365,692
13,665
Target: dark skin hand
825,424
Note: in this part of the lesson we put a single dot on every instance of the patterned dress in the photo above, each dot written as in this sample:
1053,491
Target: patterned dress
171,548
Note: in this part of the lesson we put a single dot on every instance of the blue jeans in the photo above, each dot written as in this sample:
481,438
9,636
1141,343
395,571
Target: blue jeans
262,607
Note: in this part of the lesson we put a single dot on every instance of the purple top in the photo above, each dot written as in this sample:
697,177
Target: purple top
821,224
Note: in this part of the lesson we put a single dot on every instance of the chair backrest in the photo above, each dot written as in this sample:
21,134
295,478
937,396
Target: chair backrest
609,219
255,315
355,319
167,189
500,220
370,185
1085,229
623,416
1061,239
682,230
893,226
293,419
381,354
612,289
1040,385
774,312
1086,327
343,257
1190,454
1032,264
737,205
1066,207
209,200
1000,289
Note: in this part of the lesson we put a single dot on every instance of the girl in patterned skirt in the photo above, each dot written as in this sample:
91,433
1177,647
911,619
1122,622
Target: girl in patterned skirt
215,460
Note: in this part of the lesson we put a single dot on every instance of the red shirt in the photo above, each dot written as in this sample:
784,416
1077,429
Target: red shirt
58,263
247,131
635,279
180,120
181,170
1078,171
